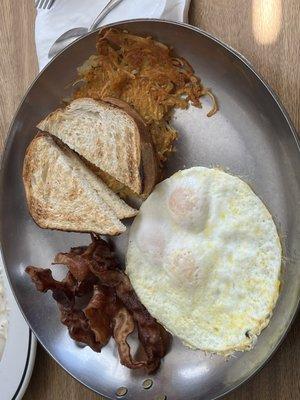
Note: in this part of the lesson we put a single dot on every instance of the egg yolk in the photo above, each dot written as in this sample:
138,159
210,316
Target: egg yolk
183,268
182,200
189,207
152,240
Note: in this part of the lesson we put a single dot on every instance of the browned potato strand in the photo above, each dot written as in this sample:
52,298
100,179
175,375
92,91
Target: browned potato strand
145,74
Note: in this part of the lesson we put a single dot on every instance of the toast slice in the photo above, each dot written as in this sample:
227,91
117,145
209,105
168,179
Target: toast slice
106,136
149,164
63,194
118,206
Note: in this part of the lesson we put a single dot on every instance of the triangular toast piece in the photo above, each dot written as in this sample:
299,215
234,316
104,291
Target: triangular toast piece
107,137
58,195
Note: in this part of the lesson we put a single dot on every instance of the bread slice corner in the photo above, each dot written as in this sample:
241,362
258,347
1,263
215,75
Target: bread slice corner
61,194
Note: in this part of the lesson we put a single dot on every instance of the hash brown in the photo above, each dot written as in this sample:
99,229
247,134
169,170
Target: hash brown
148,76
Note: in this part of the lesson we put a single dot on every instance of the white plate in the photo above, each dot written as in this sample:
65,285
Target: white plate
18,357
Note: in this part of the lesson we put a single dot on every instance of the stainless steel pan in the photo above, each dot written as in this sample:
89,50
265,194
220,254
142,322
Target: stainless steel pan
251,136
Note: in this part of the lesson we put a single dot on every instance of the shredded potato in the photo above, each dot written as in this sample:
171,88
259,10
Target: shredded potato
145,74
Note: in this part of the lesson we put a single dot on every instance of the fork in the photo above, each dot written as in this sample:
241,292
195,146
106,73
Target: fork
46,4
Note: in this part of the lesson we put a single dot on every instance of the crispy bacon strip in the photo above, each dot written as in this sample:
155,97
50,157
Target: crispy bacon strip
114,308
97,316
78,260
64,294
154,338
123,327
78,249
107,315
77,264
102,253
79,328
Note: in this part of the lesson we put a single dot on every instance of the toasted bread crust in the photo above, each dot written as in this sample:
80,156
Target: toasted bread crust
64,202
149,162
115,150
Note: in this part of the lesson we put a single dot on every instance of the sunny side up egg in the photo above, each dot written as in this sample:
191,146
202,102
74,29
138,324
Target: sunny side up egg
204,257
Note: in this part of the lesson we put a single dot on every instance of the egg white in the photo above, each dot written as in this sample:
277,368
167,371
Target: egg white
204,257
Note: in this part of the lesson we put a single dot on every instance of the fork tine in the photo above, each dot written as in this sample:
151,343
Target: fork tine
45,4
50,3
40,3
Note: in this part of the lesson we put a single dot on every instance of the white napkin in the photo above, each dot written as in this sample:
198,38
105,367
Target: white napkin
67,14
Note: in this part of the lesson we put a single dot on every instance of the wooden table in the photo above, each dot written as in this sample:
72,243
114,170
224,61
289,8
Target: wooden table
268,35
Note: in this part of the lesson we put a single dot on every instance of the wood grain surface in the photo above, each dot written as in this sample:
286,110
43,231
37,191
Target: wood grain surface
267,33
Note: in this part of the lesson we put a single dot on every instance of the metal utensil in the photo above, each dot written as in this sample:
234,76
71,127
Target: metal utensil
46,4
251,135
68,37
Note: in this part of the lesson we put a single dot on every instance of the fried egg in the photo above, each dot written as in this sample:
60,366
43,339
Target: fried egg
204,257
